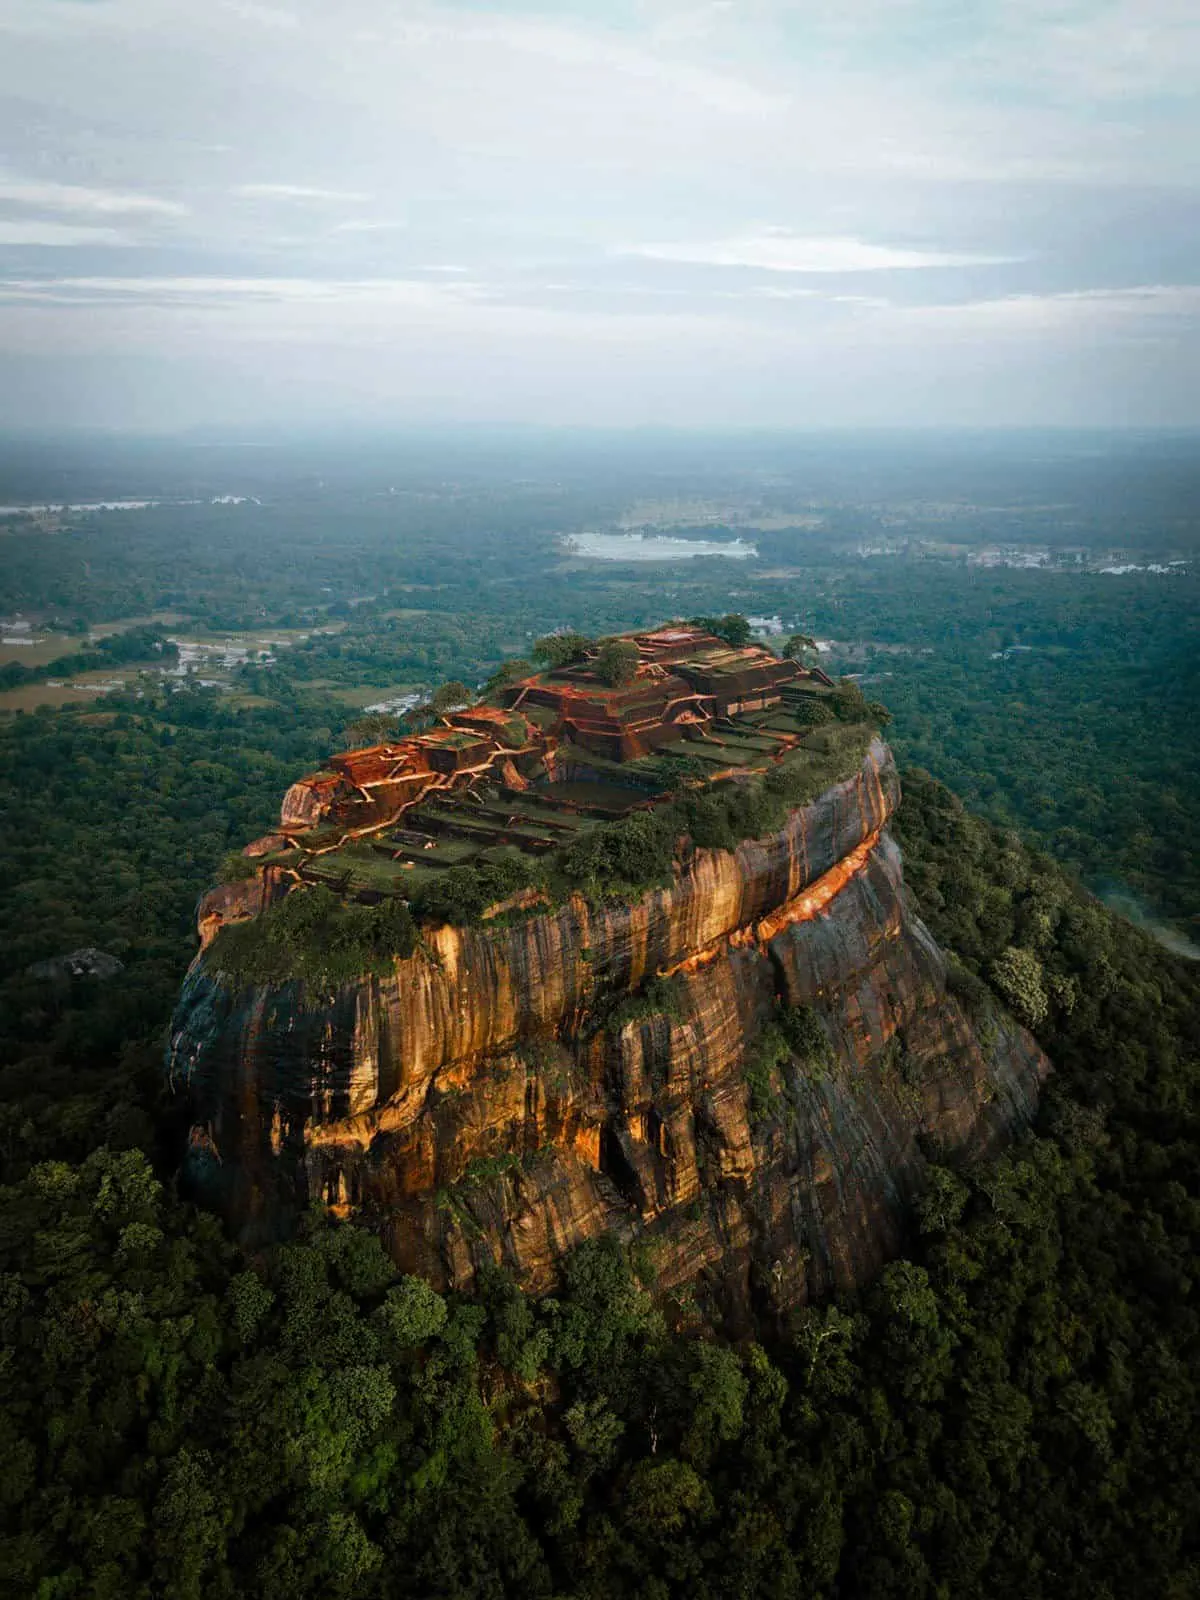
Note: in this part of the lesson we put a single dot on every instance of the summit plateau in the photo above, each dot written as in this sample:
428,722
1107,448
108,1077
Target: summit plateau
623,947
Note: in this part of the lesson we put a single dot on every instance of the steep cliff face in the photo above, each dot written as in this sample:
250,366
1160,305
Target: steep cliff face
760,1115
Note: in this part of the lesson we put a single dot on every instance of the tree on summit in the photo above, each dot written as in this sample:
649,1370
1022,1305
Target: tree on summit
617,663
733,628
508,673
562,649
375,728
449,697
798,646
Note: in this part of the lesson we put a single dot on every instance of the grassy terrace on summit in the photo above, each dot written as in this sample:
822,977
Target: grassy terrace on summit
582,777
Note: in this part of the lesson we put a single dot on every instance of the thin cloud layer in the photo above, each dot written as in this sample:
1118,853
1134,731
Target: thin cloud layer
847,212
72,197
783,252
47,234
301,291
298,191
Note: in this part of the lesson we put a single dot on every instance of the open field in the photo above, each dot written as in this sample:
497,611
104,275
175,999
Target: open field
35,647
153,619
81,690
41,650
364,695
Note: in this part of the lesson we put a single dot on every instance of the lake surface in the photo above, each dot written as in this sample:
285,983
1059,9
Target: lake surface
88,505
653,547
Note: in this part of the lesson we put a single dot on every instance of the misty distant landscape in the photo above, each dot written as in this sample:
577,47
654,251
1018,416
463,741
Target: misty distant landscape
1026,606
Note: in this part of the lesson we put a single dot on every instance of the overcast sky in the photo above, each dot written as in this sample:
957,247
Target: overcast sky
630,211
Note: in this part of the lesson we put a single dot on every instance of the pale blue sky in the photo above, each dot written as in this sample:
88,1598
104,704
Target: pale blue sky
836,212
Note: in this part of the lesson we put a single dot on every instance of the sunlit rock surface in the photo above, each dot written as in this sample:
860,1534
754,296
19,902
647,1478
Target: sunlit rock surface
482,1103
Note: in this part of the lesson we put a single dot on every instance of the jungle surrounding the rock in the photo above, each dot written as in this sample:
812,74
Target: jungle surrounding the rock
1007,1407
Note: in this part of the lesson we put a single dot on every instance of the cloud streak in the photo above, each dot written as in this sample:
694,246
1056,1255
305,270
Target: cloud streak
777,251
71,197
299,191
1139,306
367,225
38,234
296,291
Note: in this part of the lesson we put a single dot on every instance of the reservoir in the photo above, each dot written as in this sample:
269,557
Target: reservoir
653,547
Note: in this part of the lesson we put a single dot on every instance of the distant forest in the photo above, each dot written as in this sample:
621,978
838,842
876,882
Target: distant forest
1058,701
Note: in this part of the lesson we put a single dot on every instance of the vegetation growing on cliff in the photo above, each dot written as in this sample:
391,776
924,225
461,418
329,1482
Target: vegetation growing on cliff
639,851
794,1034
764,1056
314,937
659,997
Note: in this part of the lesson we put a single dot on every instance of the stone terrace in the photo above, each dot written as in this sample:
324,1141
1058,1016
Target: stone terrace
558,752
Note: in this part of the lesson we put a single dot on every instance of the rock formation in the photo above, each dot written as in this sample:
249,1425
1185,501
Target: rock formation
746,1072
86,963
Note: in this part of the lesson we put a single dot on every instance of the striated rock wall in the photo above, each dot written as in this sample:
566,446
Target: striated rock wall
487,1102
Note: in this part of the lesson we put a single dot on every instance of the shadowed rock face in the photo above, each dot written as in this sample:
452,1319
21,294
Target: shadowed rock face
485,1103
